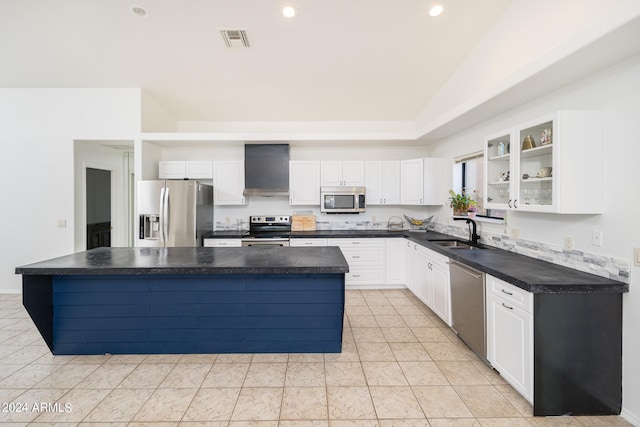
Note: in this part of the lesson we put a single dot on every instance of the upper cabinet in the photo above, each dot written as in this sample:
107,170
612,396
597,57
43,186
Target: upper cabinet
551,164
185,170
304,182
347,173
422,182
382,179
228,182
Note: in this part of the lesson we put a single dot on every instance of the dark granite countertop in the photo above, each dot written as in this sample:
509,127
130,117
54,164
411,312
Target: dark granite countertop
263,260
532,275
346,234
527,273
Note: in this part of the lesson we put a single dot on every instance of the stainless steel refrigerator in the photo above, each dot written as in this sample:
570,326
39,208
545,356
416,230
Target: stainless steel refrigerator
173,213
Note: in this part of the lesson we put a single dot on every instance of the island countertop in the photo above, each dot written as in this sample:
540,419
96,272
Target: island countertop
264,260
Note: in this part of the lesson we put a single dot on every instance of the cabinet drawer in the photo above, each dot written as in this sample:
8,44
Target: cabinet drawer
308,242
511,294
363,255
356,243
365,275
218,243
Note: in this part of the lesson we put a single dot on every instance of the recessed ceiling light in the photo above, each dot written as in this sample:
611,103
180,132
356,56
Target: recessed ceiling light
138,11
288,12
436,10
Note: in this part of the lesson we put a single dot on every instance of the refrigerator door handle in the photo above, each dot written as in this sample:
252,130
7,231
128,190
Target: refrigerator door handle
161,213
165,214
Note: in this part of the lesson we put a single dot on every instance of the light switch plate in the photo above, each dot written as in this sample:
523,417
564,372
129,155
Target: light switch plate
636,257
62,223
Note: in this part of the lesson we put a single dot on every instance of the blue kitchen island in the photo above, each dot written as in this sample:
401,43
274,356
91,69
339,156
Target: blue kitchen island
189,300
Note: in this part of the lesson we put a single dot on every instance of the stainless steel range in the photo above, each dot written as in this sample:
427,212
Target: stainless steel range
268,231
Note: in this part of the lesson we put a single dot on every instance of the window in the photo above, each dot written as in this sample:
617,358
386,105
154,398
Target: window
468,178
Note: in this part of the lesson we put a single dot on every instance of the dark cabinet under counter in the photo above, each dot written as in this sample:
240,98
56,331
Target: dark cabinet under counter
577,354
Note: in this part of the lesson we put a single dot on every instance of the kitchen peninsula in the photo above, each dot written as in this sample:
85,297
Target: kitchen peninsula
189,300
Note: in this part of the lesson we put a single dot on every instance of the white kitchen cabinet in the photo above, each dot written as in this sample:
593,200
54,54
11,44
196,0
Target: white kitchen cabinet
395,261
430,280
382,179
222,243
172,170
228,182
554,164
347,173
410,252
422,182
185,169
304,182
304,242
366,261
510,334
421,276
441,288
199,170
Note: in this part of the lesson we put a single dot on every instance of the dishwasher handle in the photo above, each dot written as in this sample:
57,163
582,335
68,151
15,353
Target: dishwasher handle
465,269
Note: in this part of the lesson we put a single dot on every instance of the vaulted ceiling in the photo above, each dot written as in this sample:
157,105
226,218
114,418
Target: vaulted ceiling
336,60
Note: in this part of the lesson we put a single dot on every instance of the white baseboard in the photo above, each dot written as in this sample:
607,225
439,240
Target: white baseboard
632,418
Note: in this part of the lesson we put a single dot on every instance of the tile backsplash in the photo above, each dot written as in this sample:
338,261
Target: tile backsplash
600,265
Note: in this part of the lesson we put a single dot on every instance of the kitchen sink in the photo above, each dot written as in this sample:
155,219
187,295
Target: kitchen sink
455,244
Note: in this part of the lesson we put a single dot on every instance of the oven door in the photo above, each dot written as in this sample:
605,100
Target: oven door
257,242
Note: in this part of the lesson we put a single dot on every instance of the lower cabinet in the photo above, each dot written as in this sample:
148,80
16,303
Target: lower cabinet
510,334
302,242
429,279
366,261
222,243
395,261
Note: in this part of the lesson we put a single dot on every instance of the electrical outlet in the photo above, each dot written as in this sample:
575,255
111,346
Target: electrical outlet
568,243
373,218
62,223
227,220
515,233
636,257
596,238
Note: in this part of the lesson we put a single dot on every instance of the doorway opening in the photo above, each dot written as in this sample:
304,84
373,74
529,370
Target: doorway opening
98,208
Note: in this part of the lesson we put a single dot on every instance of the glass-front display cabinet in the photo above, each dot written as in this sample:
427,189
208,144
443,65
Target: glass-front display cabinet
535,167
550,164
498,182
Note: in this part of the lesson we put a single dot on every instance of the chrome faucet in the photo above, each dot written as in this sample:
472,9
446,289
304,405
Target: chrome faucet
471,225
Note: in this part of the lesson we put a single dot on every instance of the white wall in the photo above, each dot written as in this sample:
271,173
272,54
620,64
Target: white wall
615,93
37,132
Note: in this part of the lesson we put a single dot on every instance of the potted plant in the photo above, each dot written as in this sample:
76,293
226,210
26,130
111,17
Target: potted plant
460,203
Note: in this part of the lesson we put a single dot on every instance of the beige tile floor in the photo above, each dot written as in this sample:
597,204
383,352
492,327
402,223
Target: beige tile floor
400,366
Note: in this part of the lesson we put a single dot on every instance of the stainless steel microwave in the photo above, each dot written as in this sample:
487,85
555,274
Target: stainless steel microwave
343,199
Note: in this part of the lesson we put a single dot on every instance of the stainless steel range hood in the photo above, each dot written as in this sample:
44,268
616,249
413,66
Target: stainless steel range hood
266,170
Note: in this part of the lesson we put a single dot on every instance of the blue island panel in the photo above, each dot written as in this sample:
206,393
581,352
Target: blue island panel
147,314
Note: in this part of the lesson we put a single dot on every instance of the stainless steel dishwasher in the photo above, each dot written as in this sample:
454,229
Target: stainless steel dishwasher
468,306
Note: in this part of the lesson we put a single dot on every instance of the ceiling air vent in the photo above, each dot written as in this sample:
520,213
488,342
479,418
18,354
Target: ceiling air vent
235,38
